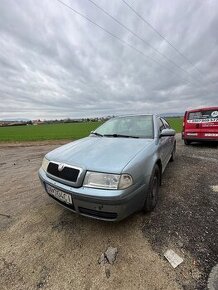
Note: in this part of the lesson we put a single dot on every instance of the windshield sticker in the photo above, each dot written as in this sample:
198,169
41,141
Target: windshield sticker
202,120
214,114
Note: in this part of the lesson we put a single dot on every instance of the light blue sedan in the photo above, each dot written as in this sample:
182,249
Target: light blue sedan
115,171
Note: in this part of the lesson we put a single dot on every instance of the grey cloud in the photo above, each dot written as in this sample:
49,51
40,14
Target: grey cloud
54,64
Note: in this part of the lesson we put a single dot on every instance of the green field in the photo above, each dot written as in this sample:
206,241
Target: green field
176,123
59,131
47,131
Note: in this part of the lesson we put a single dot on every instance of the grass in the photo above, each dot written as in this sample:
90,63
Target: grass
59,131
175,123
47,131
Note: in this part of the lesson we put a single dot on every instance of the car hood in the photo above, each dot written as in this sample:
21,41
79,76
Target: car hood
103,154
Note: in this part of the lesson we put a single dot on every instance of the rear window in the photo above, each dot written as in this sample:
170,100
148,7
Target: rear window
203,116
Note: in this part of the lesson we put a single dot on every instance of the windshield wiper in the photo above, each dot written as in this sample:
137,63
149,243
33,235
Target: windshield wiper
119,135
97,134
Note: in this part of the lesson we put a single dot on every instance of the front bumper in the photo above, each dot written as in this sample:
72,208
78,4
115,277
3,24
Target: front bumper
202,139
110,205
200,136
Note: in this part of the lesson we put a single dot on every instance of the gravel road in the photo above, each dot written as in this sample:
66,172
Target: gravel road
44,246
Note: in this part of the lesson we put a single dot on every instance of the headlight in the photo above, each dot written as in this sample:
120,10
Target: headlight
45,163
107,180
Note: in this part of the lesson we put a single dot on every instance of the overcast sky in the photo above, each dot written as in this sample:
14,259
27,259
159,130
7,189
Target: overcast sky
55,64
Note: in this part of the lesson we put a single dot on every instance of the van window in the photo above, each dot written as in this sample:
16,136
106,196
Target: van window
203,116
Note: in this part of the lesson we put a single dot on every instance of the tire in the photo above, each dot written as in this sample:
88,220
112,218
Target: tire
172,158
153,190
187,142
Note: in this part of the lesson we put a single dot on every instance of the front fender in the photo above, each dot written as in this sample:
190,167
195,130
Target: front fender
141,167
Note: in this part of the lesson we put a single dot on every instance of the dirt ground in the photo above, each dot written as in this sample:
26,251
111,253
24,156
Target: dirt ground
44,246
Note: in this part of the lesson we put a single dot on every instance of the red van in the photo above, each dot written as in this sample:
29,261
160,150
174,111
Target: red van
200,125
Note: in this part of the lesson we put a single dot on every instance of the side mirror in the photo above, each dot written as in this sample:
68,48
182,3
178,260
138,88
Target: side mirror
167,133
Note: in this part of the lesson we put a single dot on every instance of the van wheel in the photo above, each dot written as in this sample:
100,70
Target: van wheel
187,142
153,190
173,154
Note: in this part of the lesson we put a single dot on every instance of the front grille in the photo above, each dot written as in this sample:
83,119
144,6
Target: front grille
68,173
96,213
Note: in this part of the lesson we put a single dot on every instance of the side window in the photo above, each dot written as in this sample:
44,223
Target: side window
166,124
161,125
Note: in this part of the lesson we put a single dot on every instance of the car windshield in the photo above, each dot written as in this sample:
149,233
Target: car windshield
130,126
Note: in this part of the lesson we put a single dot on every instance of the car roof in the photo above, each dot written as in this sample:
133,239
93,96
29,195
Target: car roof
203,109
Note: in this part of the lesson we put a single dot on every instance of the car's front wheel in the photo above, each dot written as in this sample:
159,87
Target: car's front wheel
153,190
187,142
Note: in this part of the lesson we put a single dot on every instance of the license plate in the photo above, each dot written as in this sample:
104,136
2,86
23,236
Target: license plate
62,196
211,135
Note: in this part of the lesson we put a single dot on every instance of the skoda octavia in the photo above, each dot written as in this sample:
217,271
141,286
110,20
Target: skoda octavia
113,172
